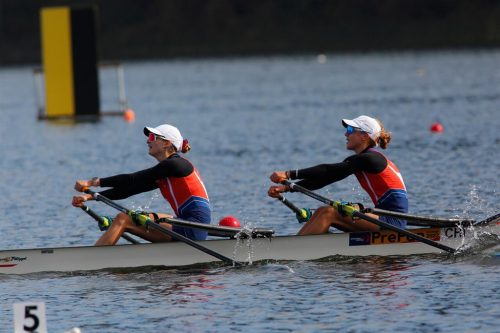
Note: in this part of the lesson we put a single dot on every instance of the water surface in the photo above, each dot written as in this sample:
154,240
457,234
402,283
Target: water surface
244,119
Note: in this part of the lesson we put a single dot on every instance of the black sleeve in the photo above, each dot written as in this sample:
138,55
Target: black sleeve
126,185
370,161
319,176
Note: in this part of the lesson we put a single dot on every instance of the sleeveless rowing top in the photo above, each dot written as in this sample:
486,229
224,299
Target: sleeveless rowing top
186,195
386,188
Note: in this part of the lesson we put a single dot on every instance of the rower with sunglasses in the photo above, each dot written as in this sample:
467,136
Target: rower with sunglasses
377,175
176,177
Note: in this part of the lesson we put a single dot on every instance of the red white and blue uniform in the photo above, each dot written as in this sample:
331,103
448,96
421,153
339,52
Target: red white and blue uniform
185,194
386,188
377,175
179,183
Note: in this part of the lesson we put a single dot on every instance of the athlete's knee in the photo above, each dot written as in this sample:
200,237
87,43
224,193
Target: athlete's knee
325,210
122,220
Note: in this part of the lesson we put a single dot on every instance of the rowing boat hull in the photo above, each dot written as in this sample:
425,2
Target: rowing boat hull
175,254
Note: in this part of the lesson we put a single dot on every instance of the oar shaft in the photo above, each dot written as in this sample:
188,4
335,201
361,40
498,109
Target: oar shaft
91,213
405,216
310,193
98,218
289,204
173,234
130,239
188,241
488,220
403,231
368,218
97,196
302,214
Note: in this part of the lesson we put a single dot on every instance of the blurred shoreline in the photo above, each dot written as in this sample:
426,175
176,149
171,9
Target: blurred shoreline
158,29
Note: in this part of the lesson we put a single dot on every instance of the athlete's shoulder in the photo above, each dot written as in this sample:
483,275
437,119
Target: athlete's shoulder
174,159
365,156
369,160
177,166
373,154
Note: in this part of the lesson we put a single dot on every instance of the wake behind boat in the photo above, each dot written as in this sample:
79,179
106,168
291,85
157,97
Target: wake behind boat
244,246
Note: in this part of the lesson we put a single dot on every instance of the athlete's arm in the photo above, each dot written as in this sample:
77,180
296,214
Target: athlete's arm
126,185
319,176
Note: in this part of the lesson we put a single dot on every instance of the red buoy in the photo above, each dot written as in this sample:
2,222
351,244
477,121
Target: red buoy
229,221
437,128
129,115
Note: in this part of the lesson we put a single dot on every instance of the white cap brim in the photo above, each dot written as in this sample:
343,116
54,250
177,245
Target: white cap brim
148,130
349,122
168,132
367,124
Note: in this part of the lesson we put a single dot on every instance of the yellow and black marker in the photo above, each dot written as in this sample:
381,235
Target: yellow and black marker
69,52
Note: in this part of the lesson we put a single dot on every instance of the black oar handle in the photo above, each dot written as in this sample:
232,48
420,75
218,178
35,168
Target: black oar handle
312,194
150,224
93,214
99,197
302,214
290,205
355,213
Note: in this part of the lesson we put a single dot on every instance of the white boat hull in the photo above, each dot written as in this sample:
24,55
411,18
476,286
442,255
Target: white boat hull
69,259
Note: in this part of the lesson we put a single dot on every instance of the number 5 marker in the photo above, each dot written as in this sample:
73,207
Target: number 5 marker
30,317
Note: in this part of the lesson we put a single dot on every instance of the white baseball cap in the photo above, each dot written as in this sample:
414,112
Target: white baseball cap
169,132
366,124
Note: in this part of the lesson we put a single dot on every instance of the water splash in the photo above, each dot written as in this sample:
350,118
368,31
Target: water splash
474,204
481,237
244,243
146,207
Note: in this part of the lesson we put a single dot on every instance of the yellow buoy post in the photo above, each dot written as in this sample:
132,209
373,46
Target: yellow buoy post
69,53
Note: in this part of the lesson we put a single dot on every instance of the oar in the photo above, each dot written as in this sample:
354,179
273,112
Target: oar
351,211
488,220
438,221
302,214
100,220
146,221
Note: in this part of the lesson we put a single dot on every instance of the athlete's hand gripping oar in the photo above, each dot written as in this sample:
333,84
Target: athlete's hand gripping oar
351,211
146,221
302,214
103,223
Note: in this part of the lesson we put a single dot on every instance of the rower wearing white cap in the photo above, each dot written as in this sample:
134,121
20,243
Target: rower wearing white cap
177,179
377,175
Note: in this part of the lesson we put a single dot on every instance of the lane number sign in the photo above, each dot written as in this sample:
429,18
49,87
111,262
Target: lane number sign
29,317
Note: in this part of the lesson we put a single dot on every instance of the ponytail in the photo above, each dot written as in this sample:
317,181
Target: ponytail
384,137
185,146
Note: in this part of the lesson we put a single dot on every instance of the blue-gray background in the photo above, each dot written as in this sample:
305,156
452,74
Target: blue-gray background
246,117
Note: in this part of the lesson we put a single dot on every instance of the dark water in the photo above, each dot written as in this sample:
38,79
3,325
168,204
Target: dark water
246,118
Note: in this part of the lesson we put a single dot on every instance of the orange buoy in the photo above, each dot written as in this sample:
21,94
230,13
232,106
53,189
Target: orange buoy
437,128
229,221
129,115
